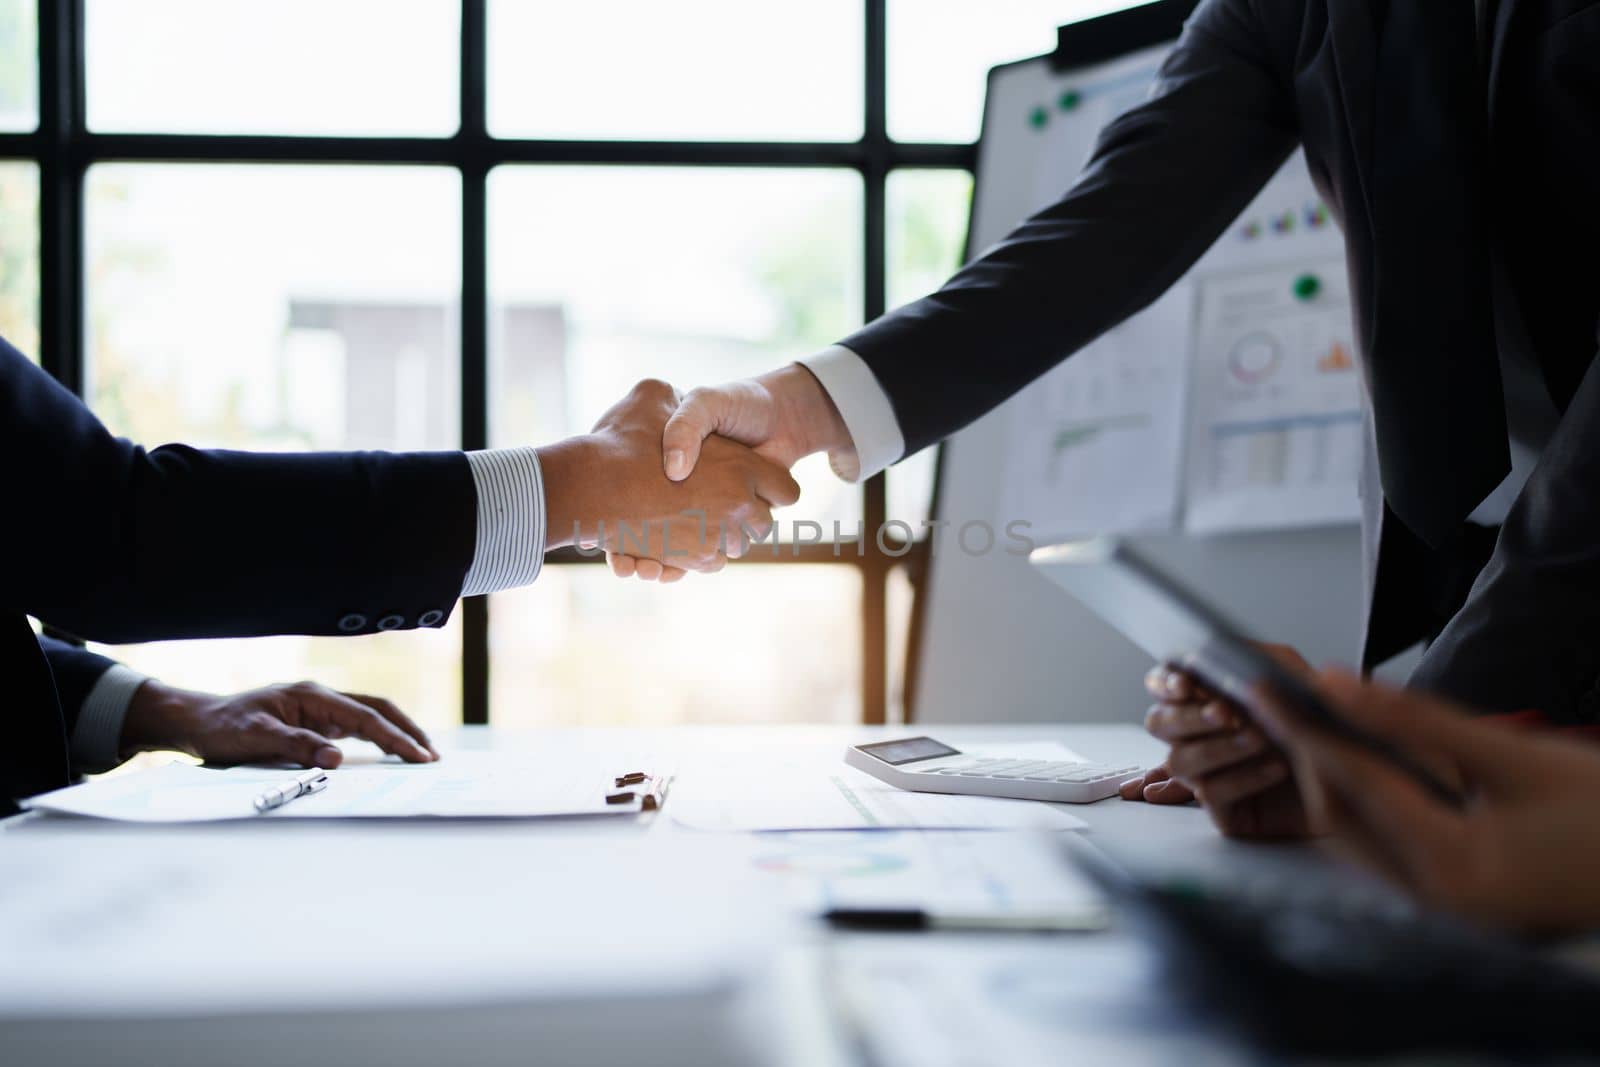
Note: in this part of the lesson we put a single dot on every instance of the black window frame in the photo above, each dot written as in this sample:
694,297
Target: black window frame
64,149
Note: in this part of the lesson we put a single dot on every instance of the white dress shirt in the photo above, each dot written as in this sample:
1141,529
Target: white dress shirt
508,552
866,411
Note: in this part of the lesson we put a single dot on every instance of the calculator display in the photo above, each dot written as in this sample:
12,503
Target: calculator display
910,750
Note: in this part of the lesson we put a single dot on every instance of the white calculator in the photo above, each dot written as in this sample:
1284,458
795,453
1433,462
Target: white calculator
924,765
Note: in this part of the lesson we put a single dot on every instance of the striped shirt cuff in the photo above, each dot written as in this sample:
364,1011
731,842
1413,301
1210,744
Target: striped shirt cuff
510,546
97,737
866,411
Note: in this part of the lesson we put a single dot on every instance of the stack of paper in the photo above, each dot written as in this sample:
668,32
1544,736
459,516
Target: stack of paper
464,784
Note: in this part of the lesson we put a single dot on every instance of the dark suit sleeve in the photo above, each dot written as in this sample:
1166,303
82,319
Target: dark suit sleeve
76,670
1164,181
115,543
1528,636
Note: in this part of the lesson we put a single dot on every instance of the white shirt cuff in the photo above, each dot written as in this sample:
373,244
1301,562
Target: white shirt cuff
866,411
97,736
510,546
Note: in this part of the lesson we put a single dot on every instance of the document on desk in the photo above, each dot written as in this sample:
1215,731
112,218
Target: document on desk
464,784
822,793
194,920
942,872
958,1002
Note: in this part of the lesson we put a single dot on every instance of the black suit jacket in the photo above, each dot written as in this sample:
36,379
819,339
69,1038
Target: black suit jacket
114,543
75,671
1246,82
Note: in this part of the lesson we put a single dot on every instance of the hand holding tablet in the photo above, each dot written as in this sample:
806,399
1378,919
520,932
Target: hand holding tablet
1177,627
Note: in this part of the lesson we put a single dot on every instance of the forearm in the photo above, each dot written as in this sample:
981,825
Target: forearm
574,491
1517,643
129,545
512,520
1164,181
94,693
1528,635
862,434
160,718
125,544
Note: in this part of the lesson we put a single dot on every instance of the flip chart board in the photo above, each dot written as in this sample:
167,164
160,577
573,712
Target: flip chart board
1222,426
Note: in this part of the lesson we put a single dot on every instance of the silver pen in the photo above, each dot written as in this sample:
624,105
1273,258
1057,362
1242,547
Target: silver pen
300,785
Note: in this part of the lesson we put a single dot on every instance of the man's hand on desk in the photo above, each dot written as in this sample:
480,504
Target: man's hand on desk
608,488
1216,757
279,723
784,415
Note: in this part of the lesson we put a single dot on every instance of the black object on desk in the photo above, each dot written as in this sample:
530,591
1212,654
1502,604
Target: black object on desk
903,919
1335,973
649,799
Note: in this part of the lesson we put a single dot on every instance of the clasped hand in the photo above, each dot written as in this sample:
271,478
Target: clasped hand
608,489
780,417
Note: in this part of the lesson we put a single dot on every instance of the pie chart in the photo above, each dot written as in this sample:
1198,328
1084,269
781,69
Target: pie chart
1254,358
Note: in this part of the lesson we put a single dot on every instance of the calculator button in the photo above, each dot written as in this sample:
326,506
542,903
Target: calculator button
1015,772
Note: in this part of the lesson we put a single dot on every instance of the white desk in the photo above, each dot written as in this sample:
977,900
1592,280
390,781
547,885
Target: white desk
1080,994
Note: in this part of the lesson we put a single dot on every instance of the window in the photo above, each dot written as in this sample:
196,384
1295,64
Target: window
359,67
926,230
19,256
19,65
275,308
940,52
461,223
692,70
600,276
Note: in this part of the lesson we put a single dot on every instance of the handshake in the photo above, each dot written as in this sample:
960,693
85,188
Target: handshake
667,484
